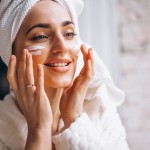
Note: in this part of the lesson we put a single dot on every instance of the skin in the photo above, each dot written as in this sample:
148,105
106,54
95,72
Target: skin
53,93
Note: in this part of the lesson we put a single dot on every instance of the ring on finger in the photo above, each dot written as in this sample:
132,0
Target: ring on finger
29,85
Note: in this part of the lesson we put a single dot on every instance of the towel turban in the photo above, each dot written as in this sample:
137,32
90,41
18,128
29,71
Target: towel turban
12,14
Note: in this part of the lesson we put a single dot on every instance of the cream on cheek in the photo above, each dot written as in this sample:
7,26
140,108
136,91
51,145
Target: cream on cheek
75,50
36,50
74,47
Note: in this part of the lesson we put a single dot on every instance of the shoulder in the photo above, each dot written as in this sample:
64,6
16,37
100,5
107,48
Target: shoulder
8,109
3,146
12,122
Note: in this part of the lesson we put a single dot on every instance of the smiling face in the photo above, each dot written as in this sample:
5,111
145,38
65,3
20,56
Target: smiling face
49,35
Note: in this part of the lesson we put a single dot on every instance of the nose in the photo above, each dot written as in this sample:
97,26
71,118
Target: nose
59,45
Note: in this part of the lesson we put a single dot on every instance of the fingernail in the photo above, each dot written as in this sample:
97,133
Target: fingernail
89,50
24,52
83,46
12,57
39,67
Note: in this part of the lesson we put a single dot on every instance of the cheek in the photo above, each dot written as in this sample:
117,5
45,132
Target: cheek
74,48
74,53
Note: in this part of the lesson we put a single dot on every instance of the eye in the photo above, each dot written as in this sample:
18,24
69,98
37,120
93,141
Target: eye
70,35
39,37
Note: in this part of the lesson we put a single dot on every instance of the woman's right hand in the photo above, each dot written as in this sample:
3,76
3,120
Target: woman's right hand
31,98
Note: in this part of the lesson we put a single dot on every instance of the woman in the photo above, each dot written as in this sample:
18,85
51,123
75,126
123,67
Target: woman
57,101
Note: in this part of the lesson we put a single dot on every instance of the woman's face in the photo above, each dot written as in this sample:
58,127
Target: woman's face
49,34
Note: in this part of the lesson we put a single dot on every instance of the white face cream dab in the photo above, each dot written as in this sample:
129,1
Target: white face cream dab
35,50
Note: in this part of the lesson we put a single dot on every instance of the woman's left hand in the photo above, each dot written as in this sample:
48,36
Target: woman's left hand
71,104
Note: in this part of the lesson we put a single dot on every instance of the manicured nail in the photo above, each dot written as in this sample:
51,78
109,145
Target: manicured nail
12,57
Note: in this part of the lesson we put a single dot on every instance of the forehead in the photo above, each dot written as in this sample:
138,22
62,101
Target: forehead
47,11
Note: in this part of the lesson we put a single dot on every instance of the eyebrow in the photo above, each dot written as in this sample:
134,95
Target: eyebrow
45,25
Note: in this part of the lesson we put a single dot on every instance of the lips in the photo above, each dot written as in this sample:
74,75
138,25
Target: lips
59,65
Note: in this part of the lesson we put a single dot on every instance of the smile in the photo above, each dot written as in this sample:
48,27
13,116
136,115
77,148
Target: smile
59,65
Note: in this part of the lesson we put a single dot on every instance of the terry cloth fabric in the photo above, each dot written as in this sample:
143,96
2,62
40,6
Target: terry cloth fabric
86,133
97,131
12,14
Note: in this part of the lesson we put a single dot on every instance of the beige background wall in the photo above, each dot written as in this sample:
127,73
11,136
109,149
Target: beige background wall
135,54
119,30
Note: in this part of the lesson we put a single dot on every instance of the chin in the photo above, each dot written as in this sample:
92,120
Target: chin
56,79
58,83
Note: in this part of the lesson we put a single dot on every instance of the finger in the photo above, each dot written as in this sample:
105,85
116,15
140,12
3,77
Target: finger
89,71
40,79
91,56
21,73
11,74
29,75
83,49
84,52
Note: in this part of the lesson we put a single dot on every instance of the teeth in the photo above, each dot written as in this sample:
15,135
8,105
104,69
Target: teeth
58,65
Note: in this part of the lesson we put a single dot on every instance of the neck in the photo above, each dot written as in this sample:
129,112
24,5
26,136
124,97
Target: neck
54,96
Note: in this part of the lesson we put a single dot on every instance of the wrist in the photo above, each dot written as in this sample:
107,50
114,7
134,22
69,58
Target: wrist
38,139
69,120
39,132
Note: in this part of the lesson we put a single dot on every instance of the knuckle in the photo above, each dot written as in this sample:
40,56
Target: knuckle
24,98
89,77
28,76
40,96
39,92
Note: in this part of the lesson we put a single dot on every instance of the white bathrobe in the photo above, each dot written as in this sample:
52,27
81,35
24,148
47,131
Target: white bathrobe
98,128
